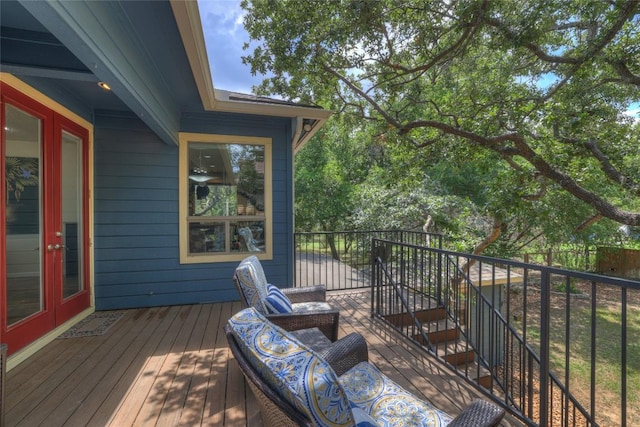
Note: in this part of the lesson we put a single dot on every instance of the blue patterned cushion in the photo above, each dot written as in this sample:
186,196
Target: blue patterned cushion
252,283
276,301
305,379
362,418
386,402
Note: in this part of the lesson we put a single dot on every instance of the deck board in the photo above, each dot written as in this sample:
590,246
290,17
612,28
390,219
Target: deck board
171,366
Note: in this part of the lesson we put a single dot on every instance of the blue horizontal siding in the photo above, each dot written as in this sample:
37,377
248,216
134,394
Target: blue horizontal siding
136,237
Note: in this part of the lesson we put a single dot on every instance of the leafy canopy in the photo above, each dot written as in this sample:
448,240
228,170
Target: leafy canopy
543,87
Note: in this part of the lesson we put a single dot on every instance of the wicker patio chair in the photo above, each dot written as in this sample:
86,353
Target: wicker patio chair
309,308
345,356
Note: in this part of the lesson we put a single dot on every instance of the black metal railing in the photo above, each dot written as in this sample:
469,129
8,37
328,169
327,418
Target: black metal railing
342,259
558,347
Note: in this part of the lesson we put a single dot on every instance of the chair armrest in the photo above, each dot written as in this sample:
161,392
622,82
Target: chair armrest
479,413
346,353
325,320
307,294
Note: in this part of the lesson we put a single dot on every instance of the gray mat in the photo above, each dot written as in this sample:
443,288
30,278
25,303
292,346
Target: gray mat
93,325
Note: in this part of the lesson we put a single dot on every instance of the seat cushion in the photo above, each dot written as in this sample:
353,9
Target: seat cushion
386,402
252,283
276,301
304,379
303,307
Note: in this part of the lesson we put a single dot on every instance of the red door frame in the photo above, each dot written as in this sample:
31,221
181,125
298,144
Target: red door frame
55,310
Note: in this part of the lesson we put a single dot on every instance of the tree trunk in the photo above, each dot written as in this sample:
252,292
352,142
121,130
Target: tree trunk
331,240
496,230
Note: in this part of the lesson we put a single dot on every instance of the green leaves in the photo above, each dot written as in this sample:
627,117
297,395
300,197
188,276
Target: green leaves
538,90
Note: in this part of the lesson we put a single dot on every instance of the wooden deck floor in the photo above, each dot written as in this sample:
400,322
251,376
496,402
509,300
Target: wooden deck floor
171,366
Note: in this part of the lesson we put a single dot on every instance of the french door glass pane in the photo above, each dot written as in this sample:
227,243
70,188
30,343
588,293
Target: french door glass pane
23,223
71,214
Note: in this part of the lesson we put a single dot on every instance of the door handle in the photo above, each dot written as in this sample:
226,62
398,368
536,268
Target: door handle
57,246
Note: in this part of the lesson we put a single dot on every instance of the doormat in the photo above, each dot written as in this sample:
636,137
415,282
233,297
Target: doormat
93,325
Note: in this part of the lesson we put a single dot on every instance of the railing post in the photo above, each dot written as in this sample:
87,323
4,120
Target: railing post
296,237
375,285
545,303
586,257
439,275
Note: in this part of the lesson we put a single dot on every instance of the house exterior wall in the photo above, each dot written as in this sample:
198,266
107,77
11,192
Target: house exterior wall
136,241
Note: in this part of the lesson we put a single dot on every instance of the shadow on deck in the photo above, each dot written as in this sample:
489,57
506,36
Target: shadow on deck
170,366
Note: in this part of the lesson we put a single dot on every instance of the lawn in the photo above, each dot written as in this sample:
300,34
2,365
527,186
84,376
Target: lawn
607,346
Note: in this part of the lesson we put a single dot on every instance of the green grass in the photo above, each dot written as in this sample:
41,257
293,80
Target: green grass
608,371
562,287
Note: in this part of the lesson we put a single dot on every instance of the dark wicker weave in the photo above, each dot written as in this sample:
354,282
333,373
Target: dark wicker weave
346,353
479,413
308,294
326,320
342,355
313,338
3,373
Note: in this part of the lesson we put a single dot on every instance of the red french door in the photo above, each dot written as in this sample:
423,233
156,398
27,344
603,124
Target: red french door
44,230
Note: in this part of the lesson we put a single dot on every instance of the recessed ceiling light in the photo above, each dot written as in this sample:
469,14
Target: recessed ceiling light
104,86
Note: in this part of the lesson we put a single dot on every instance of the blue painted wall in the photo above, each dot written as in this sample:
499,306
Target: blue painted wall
136,213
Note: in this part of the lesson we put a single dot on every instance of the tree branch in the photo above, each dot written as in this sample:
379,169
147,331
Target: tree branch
587,222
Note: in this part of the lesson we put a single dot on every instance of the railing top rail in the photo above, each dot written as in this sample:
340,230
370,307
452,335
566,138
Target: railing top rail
305,233
593,277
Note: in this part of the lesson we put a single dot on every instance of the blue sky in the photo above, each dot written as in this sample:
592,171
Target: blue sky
224,37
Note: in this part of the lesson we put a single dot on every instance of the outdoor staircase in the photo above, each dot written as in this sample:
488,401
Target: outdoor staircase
446,337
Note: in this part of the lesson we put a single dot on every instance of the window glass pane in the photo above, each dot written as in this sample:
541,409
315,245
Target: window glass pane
226,180
72,214
23,213
206,237
248,236
215,200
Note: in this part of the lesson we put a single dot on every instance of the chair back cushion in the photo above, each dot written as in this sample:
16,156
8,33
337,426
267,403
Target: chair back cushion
276,301
251,283
304,379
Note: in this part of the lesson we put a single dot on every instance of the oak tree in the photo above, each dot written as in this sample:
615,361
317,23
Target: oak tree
545,87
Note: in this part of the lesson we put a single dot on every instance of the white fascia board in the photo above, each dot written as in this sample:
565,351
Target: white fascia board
187,17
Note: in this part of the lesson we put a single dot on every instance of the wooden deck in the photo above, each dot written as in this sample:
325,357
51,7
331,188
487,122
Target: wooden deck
171,366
